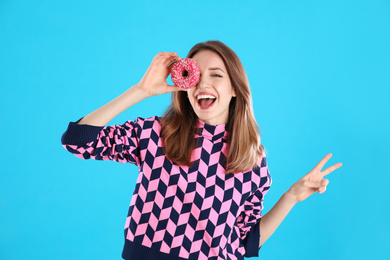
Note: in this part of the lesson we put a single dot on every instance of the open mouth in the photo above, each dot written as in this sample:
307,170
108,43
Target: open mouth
206,101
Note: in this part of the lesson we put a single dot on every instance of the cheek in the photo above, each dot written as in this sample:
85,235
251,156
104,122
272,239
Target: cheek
190,97
226,101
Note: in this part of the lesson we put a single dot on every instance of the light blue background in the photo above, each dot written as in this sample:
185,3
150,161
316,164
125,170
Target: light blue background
319,74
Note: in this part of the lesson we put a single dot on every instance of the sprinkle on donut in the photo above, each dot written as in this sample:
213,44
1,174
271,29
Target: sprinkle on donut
185,73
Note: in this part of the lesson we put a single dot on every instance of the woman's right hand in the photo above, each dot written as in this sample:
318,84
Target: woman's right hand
154,81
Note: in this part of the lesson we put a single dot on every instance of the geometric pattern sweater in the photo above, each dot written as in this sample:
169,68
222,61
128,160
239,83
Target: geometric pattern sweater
179,212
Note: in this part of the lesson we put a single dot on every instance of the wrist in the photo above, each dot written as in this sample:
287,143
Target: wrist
137,89
290,197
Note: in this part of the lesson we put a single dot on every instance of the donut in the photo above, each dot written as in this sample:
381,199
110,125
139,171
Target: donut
185,73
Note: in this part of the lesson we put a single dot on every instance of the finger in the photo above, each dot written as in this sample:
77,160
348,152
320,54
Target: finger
170,59
167,58
312,184
321,164
173,88
322,190
172,53
324,182
158,55
161,55
331,168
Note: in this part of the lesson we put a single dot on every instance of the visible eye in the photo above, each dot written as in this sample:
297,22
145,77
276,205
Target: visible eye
217,75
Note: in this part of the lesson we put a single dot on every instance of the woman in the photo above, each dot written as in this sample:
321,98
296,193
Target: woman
203,171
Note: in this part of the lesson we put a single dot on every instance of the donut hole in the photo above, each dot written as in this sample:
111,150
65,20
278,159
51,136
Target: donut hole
184,73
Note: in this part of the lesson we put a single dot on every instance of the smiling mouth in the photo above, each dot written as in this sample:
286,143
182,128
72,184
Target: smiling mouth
205,103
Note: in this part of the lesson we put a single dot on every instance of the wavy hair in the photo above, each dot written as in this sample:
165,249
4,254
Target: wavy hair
179,120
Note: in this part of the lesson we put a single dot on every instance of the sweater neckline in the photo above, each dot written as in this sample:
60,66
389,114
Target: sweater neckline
212,132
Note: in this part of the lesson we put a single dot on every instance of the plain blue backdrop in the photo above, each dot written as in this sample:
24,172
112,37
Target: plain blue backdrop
319,74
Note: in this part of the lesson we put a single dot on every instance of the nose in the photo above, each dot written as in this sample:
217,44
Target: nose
202,82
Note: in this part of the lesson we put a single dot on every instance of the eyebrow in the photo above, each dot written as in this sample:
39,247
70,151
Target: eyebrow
216,68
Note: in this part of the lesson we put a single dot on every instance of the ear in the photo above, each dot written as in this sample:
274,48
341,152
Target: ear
234,93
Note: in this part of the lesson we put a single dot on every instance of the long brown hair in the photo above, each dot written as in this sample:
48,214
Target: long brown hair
179,120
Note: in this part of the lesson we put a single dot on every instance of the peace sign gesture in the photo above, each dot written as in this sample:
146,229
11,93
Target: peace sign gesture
313,181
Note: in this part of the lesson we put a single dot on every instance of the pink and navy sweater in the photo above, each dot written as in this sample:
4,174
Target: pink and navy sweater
179,212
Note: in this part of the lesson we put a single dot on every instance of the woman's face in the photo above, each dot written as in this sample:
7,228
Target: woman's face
214,89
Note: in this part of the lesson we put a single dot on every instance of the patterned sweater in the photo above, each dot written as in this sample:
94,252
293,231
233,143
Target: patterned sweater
179,212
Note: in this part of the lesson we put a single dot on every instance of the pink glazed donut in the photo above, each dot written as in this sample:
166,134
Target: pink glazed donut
185,73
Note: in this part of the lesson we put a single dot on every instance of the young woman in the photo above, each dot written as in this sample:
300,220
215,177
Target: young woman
202,168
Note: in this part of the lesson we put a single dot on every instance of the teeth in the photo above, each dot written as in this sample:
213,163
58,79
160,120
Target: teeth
205,96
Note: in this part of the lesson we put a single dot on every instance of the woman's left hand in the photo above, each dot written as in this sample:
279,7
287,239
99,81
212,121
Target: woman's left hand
313,181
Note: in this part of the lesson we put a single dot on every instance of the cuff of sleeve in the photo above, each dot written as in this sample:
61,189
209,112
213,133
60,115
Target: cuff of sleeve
252,241
80,134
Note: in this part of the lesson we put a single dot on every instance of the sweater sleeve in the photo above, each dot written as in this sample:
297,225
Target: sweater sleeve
116,143
249,219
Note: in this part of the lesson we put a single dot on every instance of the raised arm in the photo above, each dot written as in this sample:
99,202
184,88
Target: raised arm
104,114
309,184
153,83
89,138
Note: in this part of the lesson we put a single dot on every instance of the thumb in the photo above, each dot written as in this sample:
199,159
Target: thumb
173,88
